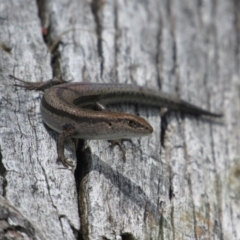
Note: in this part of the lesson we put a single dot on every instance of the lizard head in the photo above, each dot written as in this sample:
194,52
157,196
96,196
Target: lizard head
123,125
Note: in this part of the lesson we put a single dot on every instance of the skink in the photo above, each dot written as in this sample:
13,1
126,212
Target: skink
76,110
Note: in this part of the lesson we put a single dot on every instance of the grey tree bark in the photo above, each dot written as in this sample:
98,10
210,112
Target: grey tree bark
182,182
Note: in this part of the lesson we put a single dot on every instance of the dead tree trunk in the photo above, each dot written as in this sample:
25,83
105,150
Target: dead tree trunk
182,182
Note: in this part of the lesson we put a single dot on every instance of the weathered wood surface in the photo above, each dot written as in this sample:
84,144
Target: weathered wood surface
42,191
182,182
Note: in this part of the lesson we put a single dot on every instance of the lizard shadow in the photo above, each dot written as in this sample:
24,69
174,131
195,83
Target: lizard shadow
89,162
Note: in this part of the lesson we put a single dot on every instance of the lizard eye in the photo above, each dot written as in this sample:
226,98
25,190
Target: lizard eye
132,124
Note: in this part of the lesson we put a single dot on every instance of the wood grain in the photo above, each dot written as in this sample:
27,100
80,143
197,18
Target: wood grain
182,182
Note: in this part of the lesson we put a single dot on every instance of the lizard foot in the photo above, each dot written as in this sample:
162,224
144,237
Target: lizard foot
119,143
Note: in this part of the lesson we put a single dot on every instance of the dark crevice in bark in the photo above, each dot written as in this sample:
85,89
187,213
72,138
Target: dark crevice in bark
164,124
174,70
199,4
161,228
2,173
46,33
80,237
127,236
96,6
199,8
159,55
175,64
171,196
84,162
2,168
42,11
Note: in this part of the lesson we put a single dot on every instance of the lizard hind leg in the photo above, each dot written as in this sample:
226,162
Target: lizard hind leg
119,143
37,86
